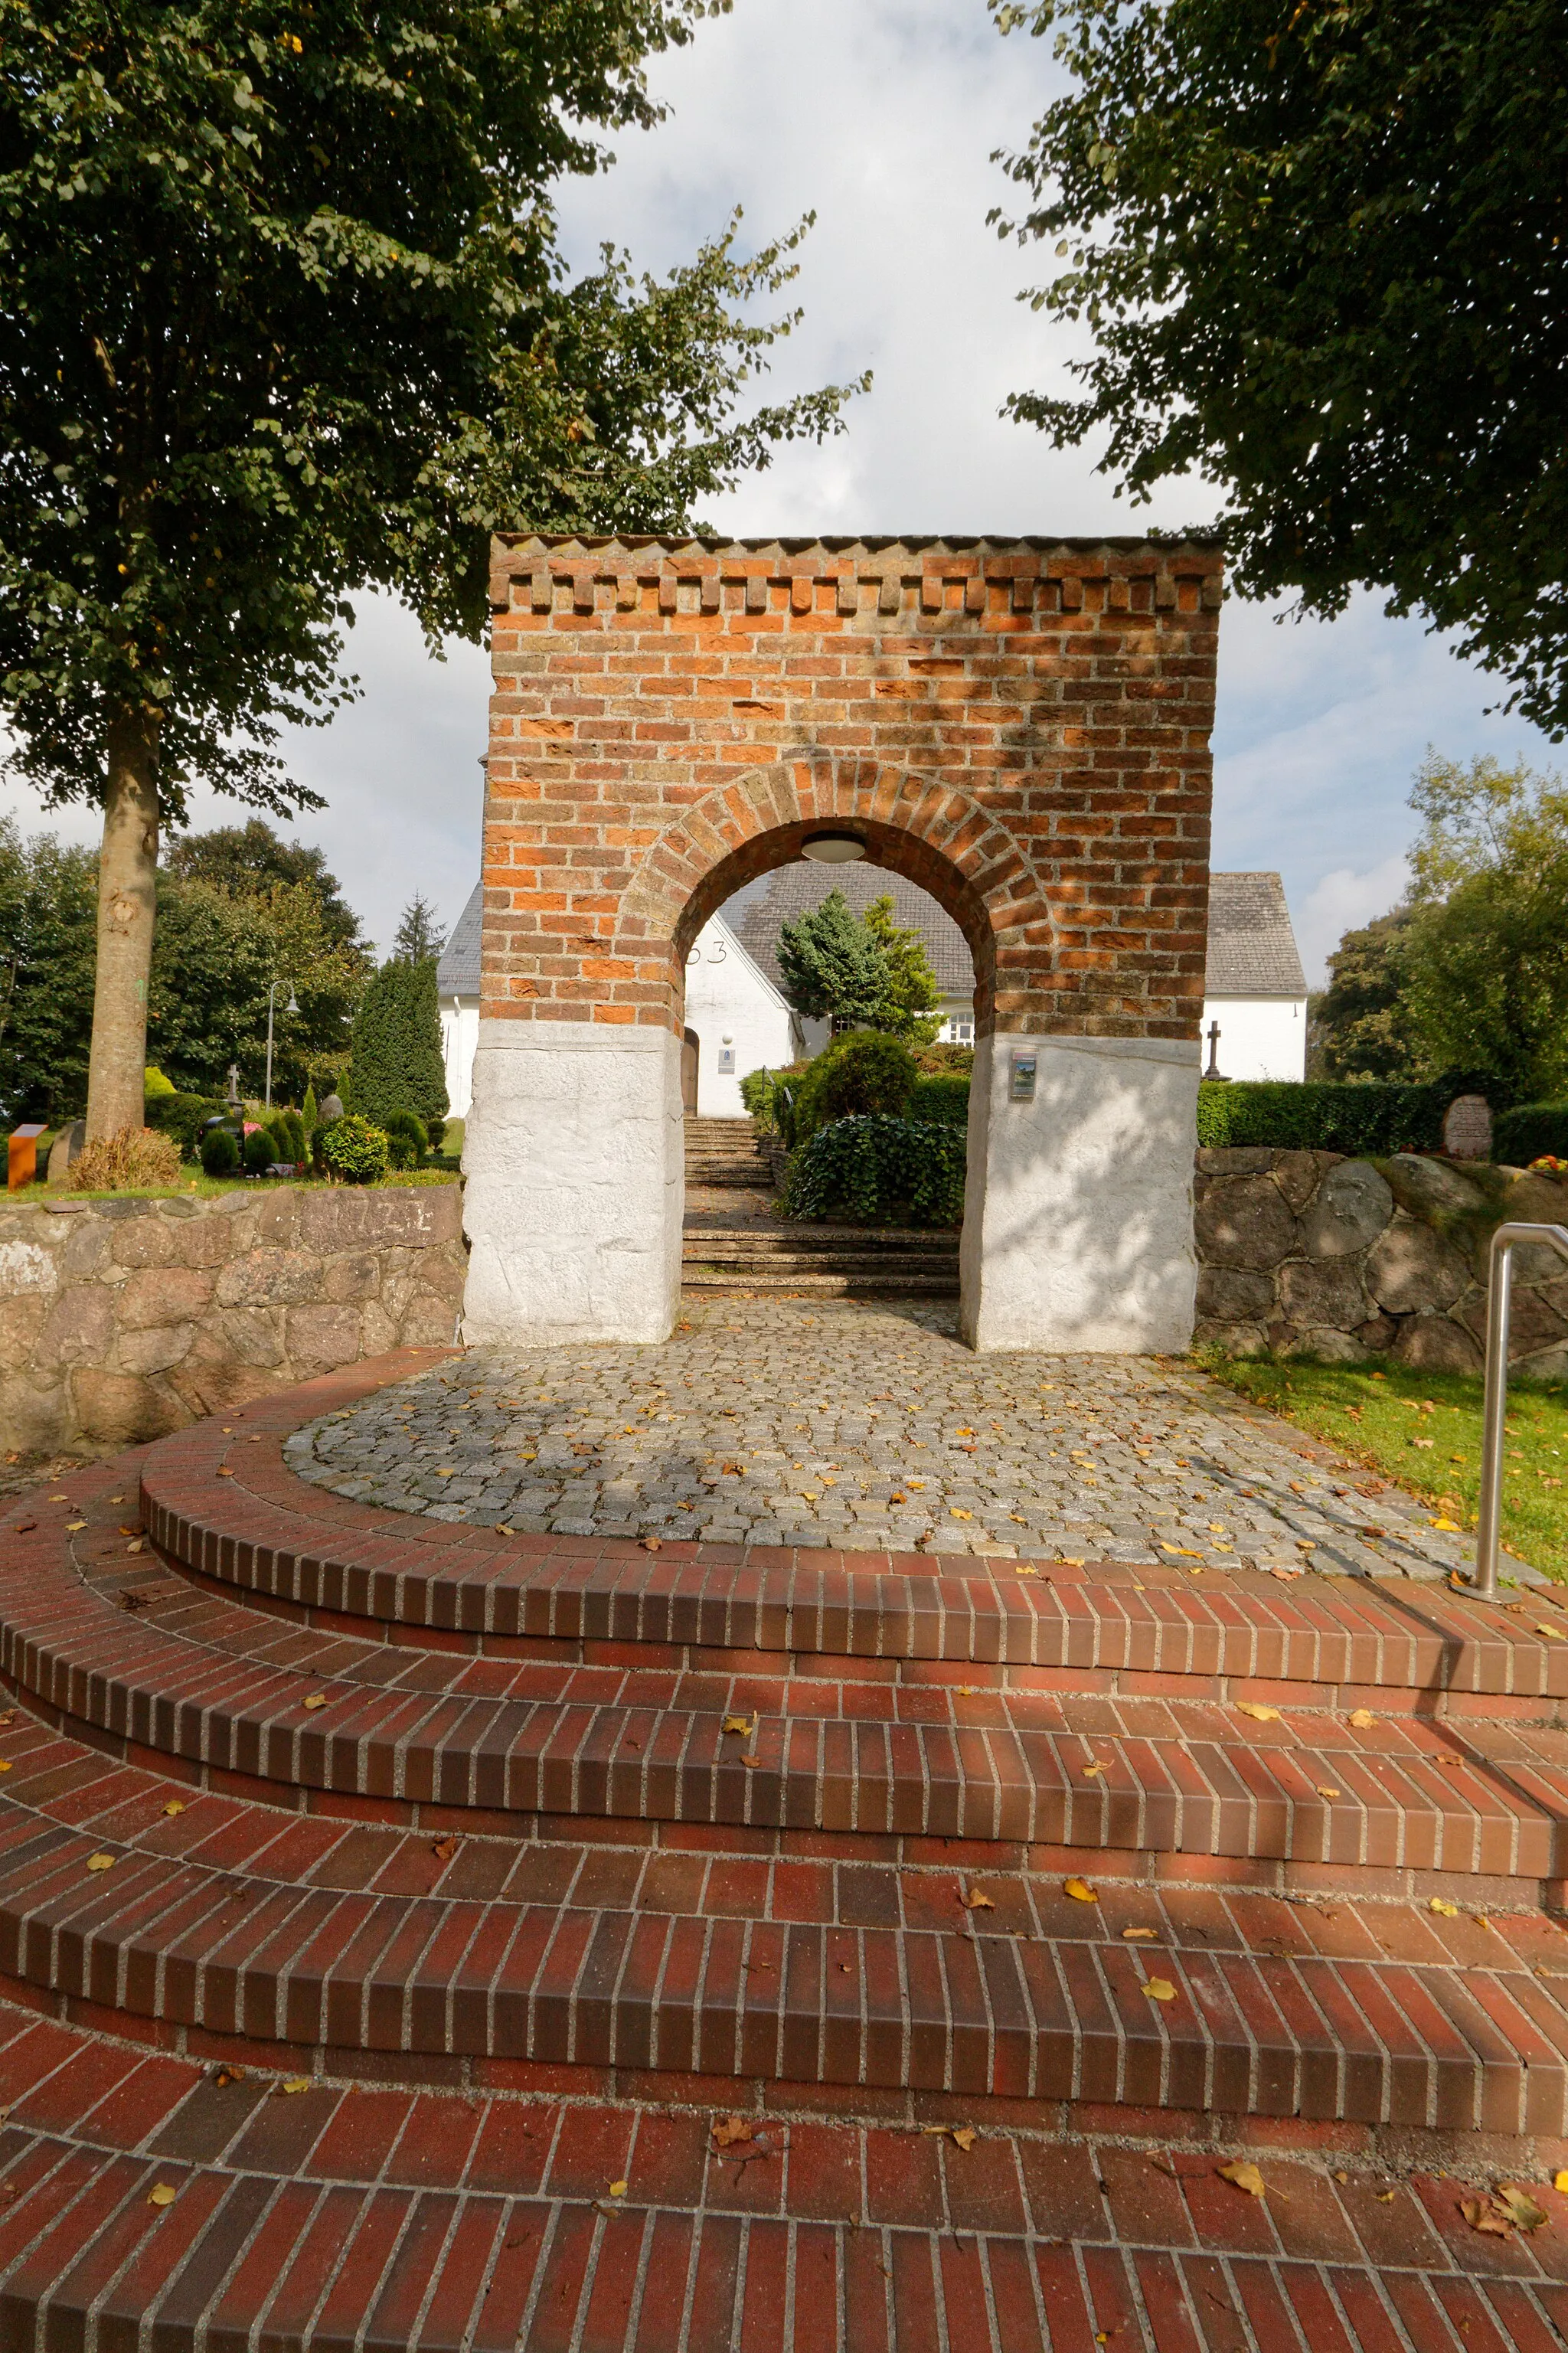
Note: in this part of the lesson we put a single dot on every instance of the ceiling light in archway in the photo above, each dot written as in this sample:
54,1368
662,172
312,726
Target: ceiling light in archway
833,849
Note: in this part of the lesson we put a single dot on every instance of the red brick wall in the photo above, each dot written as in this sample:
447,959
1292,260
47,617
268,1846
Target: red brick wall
1020,725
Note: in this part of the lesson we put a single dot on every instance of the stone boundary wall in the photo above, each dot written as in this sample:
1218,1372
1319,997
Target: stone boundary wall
122,1320
1310,1254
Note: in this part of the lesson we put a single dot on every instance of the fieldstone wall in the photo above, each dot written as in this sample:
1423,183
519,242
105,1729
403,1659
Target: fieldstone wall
1311,1253
121,1320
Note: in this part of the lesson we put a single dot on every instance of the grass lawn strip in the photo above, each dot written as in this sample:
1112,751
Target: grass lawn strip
1424,1431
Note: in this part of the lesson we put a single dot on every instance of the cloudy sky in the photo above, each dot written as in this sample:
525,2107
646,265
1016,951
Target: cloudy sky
881,116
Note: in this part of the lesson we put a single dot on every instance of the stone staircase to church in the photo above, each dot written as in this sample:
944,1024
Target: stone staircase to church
416,1937
740,1252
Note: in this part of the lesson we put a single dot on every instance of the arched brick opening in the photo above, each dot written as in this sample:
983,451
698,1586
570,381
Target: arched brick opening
969,866
1019,725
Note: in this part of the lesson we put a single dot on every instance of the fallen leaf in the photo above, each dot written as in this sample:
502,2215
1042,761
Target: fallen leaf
1245,2175
1552,1633
1327,1789
1519,2205
162,2194
1361,1717
1259,1713
1090,1771
1137,1935
1183,1552
227,2075
651,1544
1559,2181
1450,1527
957,1514
175,1806
20,1527
963,2138
1080,1890
1158,1989
1385,2197
745,1724
977,1900
317,1699
295,2083
1026,1568
444,1849
72,1525
1441,1905
618,2189
136,1546
101,1862
729,2130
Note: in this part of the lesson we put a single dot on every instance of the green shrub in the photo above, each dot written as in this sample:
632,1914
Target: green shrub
435,1133
943,1099
287,1130
153,1082
861,1074
879,1171
397,1063
940,1058
406,1142
1531,1131
354,1149
1307,1116
220,1152
763,1092
183,1117
259,1150
309,1111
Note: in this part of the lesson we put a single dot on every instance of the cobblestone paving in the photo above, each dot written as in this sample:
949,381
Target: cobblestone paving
868,1427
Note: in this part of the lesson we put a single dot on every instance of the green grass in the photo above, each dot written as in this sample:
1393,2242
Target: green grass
1424,1431
196,1187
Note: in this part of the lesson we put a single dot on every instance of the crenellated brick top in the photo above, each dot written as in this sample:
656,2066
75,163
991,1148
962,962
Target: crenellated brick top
1021,725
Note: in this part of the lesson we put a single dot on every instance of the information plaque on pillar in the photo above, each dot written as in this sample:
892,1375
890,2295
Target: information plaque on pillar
1023,1087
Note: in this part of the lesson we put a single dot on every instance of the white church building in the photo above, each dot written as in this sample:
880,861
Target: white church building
737,1019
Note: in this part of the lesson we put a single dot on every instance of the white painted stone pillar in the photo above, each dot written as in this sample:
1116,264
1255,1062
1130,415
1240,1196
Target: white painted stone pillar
1077,1218
574,1155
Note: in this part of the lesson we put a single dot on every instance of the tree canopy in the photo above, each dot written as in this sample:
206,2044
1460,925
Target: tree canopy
1470,971
252,860
418,935
284,318
1321,251
832,967
910,996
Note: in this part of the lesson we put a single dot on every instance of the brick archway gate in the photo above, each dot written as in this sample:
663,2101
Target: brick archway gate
1020,725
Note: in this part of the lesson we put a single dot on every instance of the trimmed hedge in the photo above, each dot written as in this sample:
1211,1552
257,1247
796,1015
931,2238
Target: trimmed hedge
1292,1115
879,1171
182,1116
861,1073
1530,1132
944,1100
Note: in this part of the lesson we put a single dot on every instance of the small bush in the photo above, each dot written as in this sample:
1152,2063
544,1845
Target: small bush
406,1142
763,1092
153,1082
259,1150
289,1129
879,1171
220,1152
858,1076
354,1150
1531,1131
182,1117
136,1156
944,1099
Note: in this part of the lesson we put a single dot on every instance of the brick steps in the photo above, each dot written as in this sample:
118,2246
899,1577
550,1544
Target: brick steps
515,1880
191,1676
222,1502
344,2214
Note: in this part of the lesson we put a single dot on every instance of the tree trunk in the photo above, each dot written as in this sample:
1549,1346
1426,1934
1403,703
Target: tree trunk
127,877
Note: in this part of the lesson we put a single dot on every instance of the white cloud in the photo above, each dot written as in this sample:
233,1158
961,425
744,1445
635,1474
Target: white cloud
1341,901
882,115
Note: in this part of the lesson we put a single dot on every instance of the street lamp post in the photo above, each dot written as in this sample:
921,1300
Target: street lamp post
293,1007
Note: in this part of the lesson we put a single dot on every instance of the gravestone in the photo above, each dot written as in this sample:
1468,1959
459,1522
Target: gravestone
64,1149
1467,1128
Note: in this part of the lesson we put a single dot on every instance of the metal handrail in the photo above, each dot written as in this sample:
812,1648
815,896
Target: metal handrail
1494,1411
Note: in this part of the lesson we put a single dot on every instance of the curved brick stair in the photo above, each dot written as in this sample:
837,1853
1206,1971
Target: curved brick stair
526,1859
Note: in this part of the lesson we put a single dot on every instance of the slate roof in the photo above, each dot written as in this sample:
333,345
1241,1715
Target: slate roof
795,891
1252,948
458,972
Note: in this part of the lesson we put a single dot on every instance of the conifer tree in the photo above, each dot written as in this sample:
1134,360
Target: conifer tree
397,1063
831,964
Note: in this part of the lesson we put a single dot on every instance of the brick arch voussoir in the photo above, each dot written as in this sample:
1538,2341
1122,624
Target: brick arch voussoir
748,824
